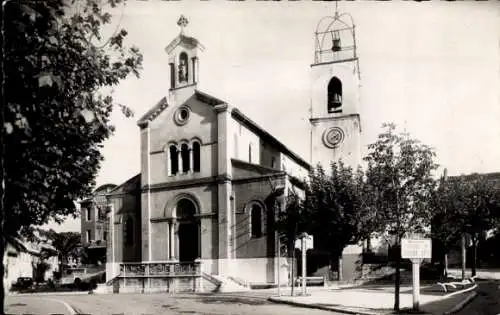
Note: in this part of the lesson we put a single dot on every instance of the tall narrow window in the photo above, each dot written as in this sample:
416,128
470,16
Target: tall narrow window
196,156
89,236
172,75
185,158
334,95
193,61
183,67
89,214
128,232
250,153
174,160
256,220
273,162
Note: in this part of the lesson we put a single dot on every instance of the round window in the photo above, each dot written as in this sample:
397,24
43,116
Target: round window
182,115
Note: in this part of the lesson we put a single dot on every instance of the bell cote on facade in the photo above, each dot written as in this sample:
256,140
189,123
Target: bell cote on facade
335,71
183,59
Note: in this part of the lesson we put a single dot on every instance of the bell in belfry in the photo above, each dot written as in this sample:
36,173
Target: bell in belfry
336,42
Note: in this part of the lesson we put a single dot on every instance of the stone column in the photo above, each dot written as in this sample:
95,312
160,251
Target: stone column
180,162
224,187
172,239
168,241
176,240
191,160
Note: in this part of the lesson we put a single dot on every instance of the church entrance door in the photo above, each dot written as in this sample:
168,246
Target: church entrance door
189,231
188,241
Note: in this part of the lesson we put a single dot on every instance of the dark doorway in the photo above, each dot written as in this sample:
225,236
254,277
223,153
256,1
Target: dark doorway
188,241
189,231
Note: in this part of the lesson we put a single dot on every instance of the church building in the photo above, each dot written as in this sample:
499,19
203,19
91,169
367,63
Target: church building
212,181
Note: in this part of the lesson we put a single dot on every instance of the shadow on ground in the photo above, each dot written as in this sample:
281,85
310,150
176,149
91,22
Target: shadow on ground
225,300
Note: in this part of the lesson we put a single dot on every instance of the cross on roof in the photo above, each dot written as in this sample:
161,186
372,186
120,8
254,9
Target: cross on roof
182,22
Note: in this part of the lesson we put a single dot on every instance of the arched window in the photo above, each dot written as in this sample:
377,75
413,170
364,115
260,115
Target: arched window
334,95
186,209
196,156
174,160
128,232
183,67
185,158
256,220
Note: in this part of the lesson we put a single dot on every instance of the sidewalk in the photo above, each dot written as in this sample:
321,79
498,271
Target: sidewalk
490,274
372,300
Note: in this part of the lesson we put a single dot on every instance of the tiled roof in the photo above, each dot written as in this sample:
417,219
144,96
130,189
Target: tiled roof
188,42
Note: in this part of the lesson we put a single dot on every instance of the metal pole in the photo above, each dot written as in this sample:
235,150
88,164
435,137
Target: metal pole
464,253
303,243
416,283
278,269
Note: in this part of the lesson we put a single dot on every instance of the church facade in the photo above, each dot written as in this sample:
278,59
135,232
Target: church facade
212,181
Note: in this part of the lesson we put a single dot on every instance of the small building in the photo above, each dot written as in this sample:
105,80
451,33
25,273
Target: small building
94,225
22,259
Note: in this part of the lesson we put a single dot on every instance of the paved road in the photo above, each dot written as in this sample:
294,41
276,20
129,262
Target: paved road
487,301
35,305
138,304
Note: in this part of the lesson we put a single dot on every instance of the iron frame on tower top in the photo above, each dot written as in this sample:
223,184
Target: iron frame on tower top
335,40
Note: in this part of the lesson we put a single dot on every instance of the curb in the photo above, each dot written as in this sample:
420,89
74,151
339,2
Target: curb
461,291
51,293
70,309
320,307
462,304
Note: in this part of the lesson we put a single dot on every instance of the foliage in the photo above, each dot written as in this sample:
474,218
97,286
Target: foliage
39,269
475,204
293,221
466,205
445,202
339,213
400,176
56,65
66,245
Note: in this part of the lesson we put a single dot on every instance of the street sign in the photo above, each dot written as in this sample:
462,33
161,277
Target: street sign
309,239
416,248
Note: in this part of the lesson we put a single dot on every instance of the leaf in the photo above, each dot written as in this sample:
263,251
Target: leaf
45,80
8,127
88,115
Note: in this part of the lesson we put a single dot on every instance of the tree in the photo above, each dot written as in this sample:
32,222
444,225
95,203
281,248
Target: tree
473,205
443,228
57,70
339,214
66,245
400,174
290,224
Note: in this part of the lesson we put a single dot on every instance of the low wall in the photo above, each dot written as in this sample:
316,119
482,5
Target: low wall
261,270
165,284
112,271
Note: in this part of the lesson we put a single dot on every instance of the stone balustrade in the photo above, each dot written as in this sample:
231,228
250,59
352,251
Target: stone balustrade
162,269
167,276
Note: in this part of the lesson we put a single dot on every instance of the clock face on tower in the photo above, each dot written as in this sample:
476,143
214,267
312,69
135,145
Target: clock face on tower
333,137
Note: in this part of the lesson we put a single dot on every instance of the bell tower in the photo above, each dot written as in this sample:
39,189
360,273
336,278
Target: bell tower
183,62
335,89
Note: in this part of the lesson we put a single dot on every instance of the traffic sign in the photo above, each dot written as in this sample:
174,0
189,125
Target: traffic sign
416,248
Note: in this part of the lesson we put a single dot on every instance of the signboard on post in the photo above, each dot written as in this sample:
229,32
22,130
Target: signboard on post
416,250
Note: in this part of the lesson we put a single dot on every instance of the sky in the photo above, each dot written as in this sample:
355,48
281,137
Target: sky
432,68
